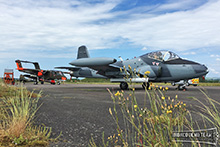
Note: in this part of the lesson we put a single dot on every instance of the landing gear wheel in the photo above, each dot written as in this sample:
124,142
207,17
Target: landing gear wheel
181,87
58,83
146,86
35,83
124,86
42,82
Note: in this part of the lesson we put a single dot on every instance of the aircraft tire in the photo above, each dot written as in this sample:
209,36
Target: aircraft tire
181,87
35,83
124,86
42,82
146,86
58,83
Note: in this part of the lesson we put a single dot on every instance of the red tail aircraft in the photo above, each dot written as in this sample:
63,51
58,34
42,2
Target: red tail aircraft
39,75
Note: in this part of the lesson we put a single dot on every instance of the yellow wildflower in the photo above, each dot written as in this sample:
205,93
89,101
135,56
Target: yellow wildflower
176,96
175,106
184,104
161,88
166,88
169,111
110,111
135,106
168,107
163,98
162,107
147,72
117,94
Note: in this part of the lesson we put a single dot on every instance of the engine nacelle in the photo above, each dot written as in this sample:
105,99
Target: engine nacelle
86,62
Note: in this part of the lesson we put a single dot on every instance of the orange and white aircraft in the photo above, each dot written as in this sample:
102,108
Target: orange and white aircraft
39,75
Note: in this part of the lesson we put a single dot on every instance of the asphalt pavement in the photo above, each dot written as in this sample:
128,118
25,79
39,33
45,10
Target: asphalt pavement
80,111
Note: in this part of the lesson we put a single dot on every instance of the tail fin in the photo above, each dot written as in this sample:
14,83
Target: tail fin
82,52
36,65
19,66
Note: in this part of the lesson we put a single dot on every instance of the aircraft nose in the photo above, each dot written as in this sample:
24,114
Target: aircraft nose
202,69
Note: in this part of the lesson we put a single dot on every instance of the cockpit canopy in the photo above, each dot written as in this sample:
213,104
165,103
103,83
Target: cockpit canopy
162,55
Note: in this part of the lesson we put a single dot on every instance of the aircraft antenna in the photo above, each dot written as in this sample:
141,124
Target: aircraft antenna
120,58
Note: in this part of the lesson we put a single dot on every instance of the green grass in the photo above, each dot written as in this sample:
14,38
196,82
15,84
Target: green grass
17,111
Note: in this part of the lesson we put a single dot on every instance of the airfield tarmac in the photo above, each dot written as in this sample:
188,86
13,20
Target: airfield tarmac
82,110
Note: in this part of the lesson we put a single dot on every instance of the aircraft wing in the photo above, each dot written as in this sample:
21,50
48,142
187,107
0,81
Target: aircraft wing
30,71
69,68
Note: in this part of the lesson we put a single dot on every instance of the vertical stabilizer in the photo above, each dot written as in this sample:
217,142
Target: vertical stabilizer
82,52
19,65
36,65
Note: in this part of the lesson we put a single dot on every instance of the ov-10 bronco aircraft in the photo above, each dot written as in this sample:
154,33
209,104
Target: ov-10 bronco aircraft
161,66
39,75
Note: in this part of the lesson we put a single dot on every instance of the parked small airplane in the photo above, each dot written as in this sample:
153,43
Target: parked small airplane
160,66
39,75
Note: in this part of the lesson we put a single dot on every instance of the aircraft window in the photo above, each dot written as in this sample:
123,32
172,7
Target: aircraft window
162,55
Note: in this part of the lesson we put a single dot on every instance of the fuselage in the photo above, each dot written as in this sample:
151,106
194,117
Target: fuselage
160,66
167,69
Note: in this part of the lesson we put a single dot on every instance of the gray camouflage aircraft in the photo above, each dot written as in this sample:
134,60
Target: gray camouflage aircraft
160,66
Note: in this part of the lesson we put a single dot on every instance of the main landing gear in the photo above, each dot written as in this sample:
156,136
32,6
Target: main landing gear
146,85
181,87
124,85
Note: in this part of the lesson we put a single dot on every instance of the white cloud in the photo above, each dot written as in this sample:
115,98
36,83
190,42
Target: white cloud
189,53
55,25
214,71
214,55
180,30
31,28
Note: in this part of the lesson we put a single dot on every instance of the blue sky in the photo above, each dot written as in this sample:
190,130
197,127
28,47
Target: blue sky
50,31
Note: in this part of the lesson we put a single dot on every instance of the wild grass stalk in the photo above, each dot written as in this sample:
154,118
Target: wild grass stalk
144,125
209,111
18,108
